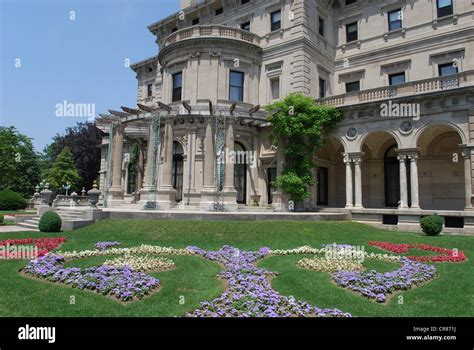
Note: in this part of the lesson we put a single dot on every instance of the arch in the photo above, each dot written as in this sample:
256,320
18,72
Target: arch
329,188
440,172
379,174
369,133
428,126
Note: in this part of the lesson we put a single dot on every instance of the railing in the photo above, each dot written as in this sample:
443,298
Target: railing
411,88
213,31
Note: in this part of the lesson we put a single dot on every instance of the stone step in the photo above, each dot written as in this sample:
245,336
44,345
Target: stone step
28,225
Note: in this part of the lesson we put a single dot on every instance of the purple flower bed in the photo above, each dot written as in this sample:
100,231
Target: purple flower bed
250,293
122,283
376,285
105,245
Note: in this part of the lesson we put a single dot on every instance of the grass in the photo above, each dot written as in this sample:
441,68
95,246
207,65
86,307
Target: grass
195,280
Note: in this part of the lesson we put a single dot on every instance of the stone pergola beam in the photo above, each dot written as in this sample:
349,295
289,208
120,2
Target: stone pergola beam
146,108
119,114
131,110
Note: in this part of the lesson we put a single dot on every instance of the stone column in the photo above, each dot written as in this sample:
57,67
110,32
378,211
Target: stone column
149,182
358,182
139,180
230,194
280,200
207,193
166,192
116,190
415,203
403,183
349,192
466,153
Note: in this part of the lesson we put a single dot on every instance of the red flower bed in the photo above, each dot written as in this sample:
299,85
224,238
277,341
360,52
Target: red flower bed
44,245
447,255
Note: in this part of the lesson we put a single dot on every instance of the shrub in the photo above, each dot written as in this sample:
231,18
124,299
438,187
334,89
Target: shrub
50,222
2,220
10,200
432,225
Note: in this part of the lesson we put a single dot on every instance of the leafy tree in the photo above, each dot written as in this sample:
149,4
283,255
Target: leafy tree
299,126
63,171
84,141
19,166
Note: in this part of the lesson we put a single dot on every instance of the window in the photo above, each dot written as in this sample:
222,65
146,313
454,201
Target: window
177,86
245,26
149,90
322,88
444,7
275,88
447,69
351,32
236,86
321,26
353,86
175,29
397,78
348,2
276,20
219,11
395,20
195,21
243,2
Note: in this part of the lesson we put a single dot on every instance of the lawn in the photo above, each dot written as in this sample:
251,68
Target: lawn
194,279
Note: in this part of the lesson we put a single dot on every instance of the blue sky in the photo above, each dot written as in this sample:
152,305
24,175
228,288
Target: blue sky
78,61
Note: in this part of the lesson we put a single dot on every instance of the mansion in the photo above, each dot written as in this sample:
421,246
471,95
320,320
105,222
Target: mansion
401,72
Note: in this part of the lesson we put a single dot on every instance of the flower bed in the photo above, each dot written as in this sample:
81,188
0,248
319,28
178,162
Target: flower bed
330,265
376,285
448,255
105,245
43,245
143,249
142,263
250,293
120,282
330,248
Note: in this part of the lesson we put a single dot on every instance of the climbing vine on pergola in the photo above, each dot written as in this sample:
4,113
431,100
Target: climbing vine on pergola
299,126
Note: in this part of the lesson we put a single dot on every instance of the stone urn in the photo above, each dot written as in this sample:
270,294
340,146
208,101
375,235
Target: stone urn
94,195
46,195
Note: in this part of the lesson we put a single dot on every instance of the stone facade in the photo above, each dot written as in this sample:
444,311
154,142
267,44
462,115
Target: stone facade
219,60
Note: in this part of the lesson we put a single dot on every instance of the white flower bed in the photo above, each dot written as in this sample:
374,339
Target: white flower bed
142,263
330,265
143,249
323,251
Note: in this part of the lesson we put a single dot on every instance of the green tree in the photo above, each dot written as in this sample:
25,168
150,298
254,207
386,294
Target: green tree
19,166
63,171
84,140
299,126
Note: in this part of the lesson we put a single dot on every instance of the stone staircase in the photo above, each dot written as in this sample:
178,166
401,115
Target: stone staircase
71,219
30,223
